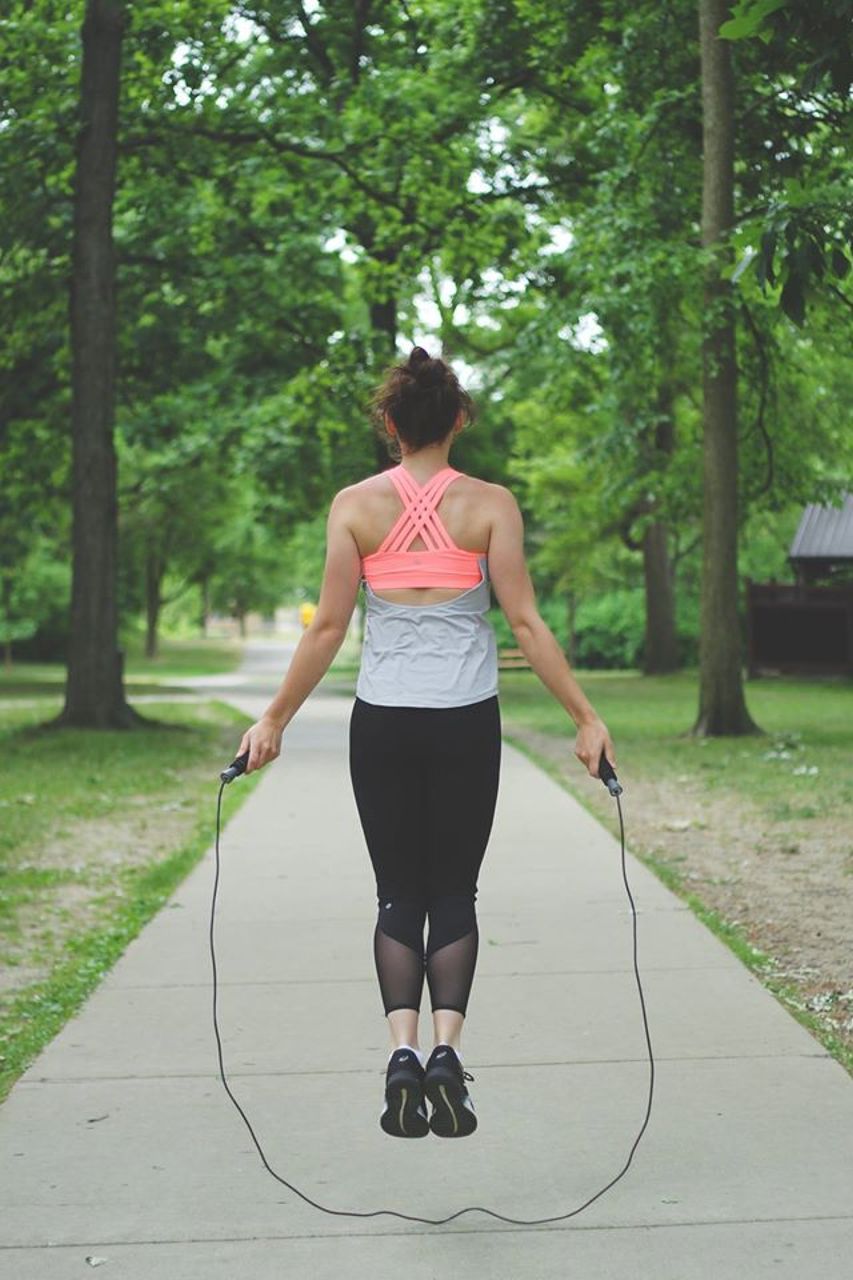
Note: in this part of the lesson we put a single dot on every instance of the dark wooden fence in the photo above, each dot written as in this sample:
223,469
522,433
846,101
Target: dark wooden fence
797,629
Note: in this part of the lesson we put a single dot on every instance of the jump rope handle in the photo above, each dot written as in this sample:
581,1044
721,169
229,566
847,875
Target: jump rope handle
235,768
607,774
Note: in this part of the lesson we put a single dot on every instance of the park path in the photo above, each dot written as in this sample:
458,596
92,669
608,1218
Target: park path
120,1143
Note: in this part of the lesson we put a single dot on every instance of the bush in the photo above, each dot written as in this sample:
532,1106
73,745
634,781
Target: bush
609,630
38,619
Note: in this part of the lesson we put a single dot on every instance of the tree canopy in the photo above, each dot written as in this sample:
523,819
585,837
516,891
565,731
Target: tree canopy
303,189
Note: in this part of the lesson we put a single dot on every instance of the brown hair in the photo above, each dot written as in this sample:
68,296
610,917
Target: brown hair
423,398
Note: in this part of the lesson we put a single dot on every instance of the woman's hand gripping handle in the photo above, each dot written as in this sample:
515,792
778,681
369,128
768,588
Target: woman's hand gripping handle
594,748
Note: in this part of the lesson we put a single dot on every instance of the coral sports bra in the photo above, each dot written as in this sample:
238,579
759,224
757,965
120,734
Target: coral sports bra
441,563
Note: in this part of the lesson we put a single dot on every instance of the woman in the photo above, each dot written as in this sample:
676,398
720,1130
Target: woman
425,731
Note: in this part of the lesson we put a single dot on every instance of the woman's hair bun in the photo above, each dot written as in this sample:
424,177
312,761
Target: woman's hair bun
421,395
426,371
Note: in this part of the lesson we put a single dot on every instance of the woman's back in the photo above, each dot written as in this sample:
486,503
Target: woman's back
424,645
465,510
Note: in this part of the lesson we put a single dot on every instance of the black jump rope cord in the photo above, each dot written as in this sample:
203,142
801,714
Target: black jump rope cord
608,777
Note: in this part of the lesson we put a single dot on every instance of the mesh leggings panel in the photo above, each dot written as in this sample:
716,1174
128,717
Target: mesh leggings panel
398,951
451,951
448,961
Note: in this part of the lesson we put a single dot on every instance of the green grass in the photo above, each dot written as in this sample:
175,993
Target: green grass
177,658
807,725
195,657
54,780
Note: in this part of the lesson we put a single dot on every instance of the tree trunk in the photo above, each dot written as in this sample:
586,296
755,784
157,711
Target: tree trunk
383,315
205,604
571,610
722,707
383,323
6,580
660,647
154,570
94,694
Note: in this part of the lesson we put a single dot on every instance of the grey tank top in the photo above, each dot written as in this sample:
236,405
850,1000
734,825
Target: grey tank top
429,655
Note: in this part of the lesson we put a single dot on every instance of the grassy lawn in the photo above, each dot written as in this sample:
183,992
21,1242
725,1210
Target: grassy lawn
177,658
98,828
807,725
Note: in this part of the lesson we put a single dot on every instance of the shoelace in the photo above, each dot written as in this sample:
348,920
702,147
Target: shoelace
466,1075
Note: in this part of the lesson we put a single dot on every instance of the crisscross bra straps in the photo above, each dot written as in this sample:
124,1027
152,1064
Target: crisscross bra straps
441,563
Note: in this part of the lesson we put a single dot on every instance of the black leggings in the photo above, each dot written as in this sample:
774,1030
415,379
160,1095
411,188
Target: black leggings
425,781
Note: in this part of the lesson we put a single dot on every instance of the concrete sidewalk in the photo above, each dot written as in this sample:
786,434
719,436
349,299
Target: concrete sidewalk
120,1142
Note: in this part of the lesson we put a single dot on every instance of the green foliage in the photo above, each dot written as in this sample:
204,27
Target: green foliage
798,231
292,187
302,560
805,238
813,35
764,544
32,591
609,630
750,19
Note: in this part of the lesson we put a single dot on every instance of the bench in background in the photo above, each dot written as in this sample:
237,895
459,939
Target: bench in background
512,660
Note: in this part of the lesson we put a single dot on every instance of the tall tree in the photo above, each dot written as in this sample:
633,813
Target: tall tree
94,694
722,706
611,124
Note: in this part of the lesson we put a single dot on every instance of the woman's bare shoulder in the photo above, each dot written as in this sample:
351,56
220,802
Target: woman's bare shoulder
376,485
498,496
359,504
483,488
360,488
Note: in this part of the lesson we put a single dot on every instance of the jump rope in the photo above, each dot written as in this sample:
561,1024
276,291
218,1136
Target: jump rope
608,777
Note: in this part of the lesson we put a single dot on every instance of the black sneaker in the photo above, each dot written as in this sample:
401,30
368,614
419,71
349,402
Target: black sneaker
444,1084
404,1114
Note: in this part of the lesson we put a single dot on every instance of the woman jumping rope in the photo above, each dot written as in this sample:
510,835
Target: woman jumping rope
425,730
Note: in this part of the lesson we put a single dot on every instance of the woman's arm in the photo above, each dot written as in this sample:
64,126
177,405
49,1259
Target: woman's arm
514,591
319,642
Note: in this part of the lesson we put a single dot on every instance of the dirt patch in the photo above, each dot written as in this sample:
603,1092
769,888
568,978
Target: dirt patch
787,884
95,852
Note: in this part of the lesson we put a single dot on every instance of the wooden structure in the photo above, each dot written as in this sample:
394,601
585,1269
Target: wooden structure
806,627
512,660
